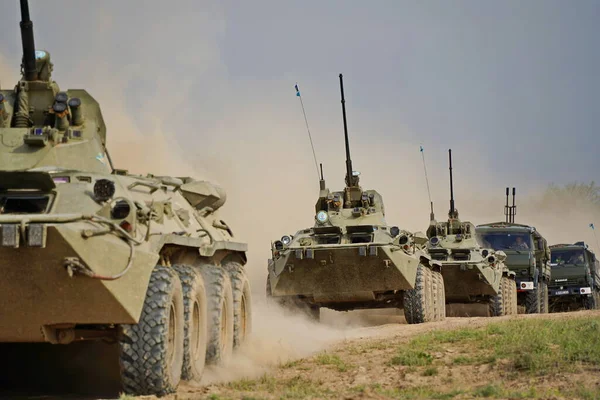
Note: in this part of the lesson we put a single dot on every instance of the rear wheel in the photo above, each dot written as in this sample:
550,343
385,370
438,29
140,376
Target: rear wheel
219,296
151,351
242,302
418,304
194,343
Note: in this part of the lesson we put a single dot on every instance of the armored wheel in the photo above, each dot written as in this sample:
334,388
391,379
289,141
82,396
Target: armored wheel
151,351
195,312
418,302
543,292
439,296
512,291
242,302
498,303
219,296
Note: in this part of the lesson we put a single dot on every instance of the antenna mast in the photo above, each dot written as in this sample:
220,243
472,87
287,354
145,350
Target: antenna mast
431,215
349,177
308,129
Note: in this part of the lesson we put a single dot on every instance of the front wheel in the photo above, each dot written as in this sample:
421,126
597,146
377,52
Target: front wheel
242,302
532,301
543,291
418,302
151,351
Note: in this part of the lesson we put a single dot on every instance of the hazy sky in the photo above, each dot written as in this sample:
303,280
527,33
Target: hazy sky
511,86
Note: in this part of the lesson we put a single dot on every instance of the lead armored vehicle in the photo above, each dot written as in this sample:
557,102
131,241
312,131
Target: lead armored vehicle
472,273
575,277
528,255
89,252
352,259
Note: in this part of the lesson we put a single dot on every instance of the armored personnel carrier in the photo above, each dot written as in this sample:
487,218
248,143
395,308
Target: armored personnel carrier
90,252
352,259
528,255
472,273
575,277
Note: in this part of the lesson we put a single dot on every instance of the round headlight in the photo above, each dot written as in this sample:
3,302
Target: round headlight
485,252
286,240
434,241
104,189
458,238
322,217
394,231
403,239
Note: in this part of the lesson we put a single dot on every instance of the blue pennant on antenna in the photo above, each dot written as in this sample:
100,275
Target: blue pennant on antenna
297,90
592,226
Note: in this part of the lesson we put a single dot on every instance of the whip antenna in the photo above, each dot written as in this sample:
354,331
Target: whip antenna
308,130
427,180
595,237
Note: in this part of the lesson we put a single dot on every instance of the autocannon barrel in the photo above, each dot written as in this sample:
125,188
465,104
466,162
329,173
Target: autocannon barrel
29,68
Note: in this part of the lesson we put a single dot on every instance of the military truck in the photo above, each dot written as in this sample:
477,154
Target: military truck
528,255
575,277
352,259
90,252
472,273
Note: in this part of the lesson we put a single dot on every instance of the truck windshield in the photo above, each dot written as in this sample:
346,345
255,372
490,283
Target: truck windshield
573,257
506,240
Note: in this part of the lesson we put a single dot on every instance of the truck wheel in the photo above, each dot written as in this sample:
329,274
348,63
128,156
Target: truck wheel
242,303
532,301
497,304
151,351
589,302
543,290
418,304
194,342
219,296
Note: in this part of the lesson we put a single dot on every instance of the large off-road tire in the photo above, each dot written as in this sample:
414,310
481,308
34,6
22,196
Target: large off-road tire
196,320
532,301
219,296
498,303
589,302
439,296
151,351
418,304
543,292
242,302
512,292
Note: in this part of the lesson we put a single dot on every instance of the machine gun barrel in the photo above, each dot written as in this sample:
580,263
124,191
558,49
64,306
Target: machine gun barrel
29,68
348,159
451,183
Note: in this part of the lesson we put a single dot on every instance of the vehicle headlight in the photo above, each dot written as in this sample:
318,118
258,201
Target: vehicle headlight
322,217
286,240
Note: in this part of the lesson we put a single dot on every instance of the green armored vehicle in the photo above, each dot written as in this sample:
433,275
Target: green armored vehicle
528,255
575,277
472,273
352,259
90,252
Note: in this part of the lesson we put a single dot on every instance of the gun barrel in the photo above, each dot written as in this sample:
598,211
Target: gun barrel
29,69
348,159
451,183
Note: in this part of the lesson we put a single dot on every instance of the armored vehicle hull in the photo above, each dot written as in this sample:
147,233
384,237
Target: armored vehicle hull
575,277
89,252
351,259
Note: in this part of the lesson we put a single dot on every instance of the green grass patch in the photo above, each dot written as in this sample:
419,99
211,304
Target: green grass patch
332,359
431,371
535,347
411,357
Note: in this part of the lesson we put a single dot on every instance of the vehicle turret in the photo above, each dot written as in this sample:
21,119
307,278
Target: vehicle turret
44,126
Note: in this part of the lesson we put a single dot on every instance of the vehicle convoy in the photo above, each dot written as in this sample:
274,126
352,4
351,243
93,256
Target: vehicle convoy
575,277
90,252
472,273
528,255
352,259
